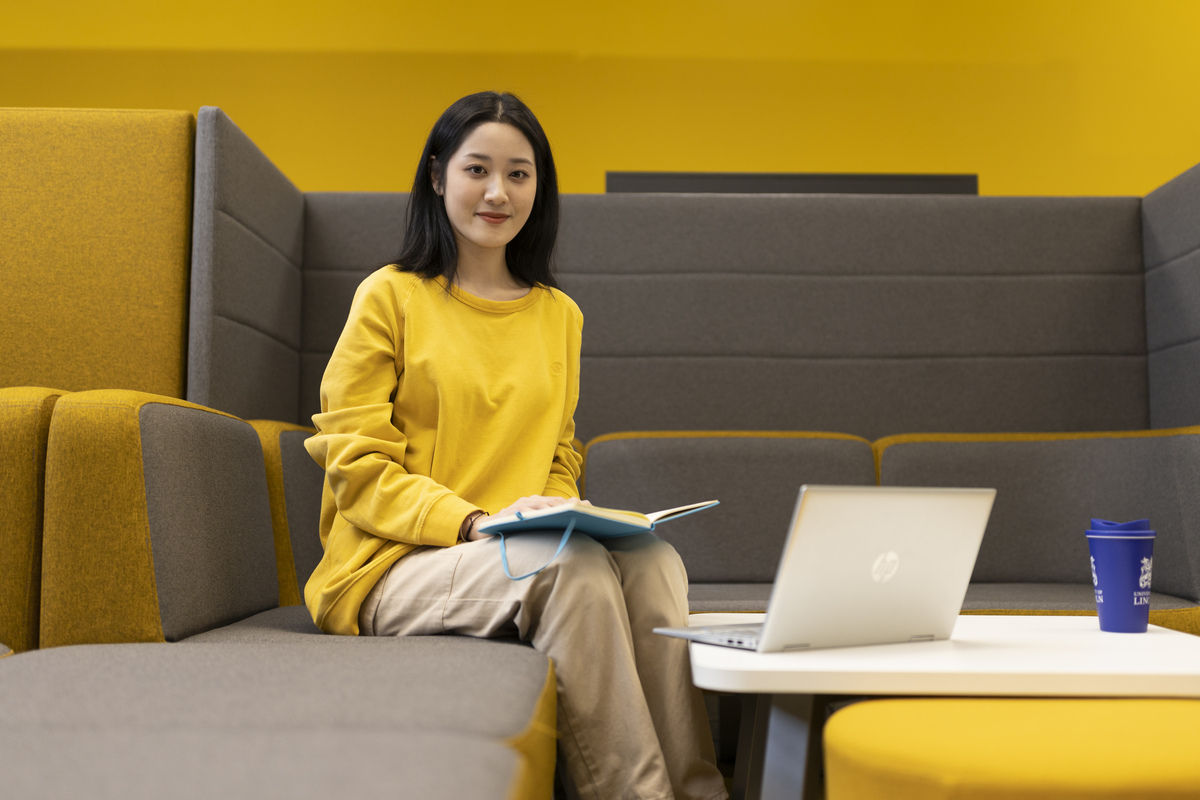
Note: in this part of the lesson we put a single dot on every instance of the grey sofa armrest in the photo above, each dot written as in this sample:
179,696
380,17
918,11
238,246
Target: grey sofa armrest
157,521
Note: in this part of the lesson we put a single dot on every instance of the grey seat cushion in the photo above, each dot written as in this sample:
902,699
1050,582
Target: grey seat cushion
1050,597
427,684
55,761
704,598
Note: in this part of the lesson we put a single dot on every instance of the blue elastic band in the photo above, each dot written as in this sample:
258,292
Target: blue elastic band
504,555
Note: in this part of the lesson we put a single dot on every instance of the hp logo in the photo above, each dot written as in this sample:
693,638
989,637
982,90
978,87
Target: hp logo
885,566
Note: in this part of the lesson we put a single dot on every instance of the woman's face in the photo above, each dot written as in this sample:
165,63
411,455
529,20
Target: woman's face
488,186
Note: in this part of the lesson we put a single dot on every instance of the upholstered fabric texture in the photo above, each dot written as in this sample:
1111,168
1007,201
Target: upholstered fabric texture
347,235
1048,488
312,764
157,521
24,426
237,688
757,478
291,509
247,249
95,218
283,624
939,749
303,479
1171,243
209,516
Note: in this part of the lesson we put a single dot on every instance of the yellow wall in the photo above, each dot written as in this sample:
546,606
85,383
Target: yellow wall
1037,96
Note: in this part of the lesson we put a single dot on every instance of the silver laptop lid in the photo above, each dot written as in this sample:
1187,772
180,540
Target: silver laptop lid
874,564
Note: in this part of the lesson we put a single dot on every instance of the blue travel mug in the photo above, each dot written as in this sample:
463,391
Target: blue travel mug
1122,562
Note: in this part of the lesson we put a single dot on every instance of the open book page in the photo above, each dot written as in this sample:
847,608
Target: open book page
644,521
681,511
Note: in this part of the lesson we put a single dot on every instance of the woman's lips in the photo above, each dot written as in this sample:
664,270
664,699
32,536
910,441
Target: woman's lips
495,219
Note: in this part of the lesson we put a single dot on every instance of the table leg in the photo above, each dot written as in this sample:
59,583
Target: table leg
752,737
792,761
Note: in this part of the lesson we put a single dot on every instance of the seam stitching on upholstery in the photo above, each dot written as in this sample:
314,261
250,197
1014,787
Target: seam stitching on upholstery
257,329
1172,346
732,275
919,357
261,238
1170,261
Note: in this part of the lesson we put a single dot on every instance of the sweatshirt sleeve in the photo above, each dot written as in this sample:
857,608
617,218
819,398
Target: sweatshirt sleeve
568,464
358,444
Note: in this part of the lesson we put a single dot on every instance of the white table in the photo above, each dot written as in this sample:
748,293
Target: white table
986,656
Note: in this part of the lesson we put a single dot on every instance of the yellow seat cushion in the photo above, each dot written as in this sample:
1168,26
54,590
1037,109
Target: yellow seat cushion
95,240
992,748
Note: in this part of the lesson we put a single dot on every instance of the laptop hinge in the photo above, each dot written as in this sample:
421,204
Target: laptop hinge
923,637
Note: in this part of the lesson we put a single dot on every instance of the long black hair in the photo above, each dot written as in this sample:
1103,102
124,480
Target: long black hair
429,246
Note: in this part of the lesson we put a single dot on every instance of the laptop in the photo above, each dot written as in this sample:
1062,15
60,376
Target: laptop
866,565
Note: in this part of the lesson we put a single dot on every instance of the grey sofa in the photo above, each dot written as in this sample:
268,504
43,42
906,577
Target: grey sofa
853,317
735,347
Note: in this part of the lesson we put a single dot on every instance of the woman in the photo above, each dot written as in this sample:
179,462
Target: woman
450,396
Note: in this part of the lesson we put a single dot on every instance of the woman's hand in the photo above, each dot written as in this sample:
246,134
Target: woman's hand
533,503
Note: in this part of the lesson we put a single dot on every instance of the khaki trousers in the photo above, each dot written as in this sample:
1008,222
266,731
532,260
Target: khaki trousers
631,724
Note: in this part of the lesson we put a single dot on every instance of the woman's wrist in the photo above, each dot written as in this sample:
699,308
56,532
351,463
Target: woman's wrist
469,524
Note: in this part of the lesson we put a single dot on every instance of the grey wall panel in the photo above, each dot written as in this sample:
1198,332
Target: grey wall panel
312,369
210,519
353,230
859,316
1173,302
1174,378
302,483
256,285
254,376
328,295
1171,219
1048,491
844,234
756,479
865,397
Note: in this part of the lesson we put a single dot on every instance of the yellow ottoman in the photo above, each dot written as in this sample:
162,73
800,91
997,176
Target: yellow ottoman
1013,748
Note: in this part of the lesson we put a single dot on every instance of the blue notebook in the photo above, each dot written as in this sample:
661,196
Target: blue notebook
599,523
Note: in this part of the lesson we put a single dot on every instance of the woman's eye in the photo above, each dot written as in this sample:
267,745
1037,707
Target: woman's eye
475,169
520,174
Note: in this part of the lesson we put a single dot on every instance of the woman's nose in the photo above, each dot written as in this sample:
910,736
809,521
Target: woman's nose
496,192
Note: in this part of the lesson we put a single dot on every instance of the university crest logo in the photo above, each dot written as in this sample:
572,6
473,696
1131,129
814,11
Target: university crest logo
1144,578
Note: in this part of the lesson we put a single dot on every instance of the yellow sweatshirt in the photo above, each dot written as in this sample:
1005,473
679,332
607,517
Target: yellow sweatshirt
434,405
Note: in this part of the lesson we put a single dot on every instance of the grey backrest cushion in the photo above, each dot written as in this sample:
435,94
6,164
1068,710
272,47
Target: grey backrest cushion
869,315
1047,491
1171,241
247,247
756,478
210,519
347,235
